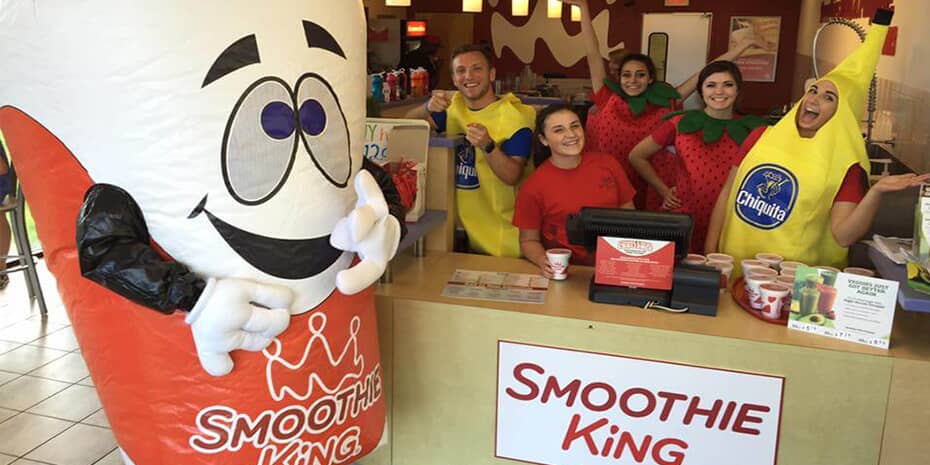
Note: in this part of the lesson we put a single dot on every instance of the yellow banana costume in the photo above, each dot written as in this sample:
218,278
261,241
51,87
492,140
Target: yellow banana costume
784,188
485,204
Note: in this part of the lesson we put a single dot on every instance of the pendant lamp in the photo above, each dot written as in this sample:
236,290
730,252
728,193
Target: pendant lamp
576,13
396,2
471,6
555,9
520,7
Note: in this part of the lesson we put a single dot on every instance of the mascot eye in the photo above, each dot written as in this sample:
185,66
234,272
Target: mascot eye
260,142
323,129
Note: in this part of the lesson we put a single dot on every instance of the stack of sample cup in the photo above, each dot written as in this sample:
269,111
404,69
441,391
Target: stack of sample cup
749,264
754,280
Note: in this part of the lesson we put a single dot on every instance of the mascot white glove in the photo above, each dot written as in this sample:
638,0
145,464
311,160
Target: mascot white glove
228,316
370,231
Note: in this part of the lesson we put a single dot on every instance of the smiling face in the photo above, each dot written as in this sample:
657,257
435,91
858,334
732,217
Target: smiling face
237,133
634,77
472,75
719,91
563,134
817,107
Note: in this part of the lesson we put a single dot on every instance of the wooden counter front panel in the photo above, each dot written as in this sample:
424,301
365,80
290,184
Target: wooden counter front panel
444,375
907,426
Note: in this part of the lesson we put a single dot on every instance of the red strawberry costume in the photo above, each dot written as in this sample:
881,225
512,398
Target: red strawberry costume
621,122
707,148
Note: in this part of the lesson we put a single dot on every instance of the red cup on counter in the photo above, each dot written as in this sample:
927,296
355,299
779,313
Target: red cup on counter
754,284
773,296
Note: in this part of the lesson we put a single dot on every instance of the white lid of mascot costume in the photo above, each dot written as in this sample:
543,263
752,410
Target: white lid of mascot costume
211,153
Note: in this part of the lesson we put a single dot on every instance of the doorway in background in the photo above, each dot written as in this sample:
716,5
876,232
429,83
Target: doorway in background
678,44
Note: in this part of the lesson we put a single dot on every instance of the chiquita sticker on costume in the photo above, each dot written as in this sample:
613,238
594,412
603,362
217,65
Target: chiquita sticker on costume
466,174
766,197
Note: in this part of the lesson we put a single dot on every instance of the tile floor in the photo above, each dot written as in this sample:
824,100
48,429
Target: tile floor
49,410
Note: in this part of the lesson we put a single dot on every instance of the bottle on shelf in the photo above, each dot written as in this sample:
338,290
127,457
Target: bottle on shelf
400,90
528,78
418,83
390,86
377,87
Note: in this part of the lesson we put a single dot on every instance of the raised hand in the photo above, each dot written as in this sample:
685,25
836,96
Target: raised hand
899,182
478,135
439,100
371,232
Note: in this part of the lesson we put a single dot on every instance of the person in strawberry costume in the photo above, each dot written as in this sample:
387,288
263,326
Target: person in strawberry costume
706,143
206,163
629,110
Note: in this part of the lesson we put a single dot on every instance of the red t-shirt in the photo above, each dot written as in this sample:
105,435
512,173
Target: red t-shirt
703,172
855,183
615,130
551,194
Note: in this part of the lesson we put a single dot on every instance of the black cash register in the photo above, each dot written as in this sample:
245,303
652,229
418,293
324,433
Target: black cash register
695,288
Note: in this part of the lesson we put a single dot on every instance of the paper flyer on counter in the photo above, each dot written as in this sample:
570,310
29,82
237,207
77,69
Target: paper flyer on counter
844,306
497,286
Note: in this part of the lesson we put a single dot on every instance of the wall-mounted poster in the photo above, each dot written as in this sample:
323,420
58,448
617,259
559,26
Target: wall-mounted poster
759,62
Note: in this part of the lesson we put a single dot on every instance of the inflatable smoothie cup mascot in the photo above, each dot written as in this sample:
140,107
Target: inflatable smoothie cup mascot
784,189
193,170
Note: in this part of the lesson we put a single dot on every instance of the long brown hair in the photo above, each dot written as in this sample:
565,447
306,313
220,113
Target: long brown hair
541,152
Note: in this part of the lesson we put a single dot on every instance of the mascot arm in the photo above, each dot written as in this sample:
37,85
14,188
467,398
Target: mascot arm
391,195
370,231
115,251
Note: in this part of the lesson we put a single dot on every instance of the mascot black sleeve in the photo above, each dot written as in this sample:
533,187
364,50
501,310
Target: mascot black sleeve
115,251
389,190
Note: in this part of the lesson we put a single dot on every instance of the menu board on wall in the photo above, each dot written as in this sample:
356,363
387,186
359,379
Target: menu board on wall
759,62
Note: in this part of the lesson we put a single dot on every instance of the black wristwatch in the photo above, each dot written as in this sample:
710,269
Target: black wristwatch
490,147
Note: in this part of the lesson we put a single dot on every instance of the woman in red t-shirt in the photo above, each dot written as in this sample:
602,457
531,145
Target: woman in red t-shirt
706,143
630,109
566,179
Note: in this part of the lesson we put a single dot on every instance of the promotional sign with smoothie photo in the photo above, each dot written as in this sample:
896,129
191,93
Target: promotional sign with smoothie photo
846,305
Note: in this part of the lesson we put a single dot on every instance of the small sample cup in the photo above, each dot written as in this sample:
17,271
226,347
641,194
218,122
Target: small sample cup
558,261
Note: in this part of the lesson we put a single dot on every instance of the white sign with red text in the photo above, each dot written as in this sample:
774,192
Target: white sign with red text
558,407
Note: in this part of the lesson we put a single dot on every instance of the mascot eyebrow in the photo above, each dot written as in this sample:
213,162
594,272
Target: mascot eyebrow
244,51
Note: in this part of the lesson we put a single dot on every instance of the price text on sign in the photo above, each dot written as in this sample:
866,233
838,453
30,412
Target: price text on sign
558,406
